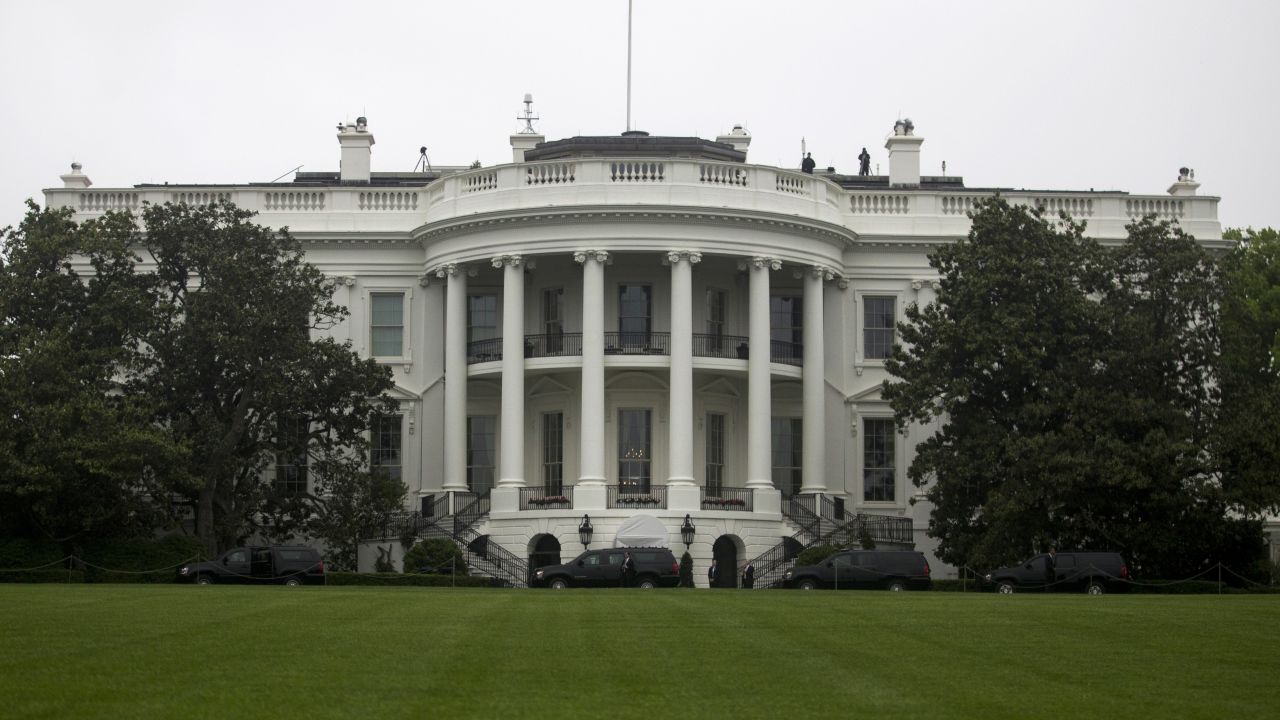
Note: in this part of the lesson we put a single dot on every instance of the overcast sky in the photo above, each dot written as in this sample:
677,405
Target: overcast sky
1062,95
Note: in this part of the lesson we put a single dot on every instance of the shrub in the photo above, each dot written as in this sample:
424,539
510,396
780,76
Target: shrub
139,560
817,554
42,576
22,553
686,570
435,554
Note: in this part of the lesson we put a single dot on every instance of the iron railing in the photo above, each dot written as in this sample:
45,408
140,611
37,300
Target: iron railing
539,498
787,353
479,351
469,513
637,343
731,347
893,529
553,345
629,498
727,498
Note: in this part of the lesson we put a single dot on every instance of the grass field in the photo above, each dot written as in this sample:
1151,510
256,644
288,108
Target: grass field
81,651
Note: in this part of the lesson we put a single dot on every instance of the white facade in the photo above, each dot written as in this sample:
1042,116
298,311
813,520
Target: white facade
637,277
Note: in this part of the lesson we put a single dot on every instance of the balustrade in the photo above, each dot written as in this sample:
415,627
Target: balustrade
637,343
633,497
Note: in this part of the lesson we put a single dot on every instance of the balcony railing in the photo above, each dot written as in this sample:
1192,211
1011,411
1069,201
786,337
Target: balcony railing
787,353
727,498
479,351
637,343
556,345
629,497
732,347
540,498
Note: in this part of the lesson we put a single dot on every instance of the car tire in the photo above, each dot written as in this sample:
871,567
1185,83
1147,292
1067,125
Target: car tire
1004,587
647,584
895,586
559,584
293,581
807,584
204,580
1096,588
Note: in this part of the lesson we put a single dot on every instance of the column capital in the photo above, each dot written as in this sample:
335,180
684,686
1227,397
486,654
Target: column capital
761,262
823,272
447,270
693,256
582,256
344,280
918,285
424,279
512,260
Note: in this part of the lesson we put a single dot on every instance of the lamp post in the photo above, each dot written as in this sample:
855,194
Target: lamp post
584,531
686,531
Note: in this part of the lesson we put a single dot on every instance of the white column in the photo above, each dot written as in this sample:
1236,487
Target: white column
511,459
815,426
455,378
759,403
683,494
591,421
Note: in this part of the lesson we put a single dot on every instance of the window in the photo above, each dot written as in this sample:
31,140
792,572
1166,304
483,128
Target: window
635,314
786,327
291,459
387,324
877,327
553,319
715,318
482,432
482,317
553,453
634,450
877,460
715,453
386,445
788,454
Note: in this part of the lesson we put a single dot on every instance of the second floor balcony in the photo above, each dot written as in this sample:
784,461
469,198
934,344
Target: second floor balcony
705,345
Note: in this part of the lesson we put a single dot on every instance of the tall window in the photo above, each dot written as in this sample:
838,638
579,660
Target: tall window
715,318
877,460
715,453
877,327
553,319
291,460
553,453
386,445
482,433
635,314
786,327
482,317
788,454
387,324
634,450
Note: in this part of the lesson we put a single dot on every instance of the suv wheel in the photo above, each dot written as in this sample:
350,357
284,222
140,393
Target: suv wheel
895,586
293,581
807,584
559,584
1005,587
1096,588
647,583
204,580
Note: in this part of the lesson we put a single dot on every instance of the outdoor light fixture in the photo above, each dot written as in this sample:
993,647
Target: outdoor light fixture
686,531
584,531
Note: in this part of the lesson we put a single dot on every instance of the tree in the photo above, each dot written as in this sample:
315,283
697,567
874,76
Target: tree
78,458
355,503
231,366
1075,386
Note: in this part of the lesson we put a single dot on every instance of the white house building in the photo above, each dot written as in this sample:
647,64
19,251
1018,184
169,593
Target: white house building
638,333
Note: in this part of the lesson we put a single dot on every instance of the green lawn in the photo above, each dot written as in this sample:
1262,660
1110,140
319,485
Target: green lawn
79,651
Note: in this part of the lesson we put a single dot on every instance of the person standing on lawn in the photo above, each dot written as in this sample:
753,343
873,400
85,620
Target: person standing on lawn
628,570
712,572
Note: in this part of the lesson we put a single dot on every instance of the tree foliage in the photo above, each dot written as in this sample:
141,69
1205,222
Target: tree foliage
1075,386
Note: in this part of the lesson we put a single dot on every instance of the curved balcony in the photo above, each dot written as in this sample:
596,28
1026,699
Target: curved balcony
637,343
726,347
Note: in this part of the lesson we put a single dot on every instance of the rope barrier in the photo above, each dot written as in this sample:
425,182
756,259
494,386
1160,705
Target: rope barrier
39,567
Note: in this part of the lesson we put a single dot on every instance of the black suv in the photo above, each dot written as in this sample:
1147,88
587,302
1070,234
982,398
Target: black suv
1092,572
864,570
655,567
282,564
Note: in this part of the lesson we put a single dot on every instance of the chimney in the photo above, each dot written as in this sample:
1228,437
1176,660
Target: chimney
76,179
1185,187
357,144
904,155
737,137
528,138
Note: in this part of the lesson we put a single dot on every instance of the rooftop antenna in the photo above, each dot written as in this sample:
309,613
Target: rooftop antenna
286,172
528,116
423,162
629,2
802,147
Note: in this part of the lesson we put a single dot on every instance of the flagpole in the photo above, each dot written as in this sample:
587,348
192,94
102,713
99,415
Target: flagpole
629,65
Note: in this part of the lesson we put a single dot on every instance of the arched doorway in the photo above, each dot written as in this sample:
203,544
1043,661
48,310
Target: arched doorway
725,551
544,550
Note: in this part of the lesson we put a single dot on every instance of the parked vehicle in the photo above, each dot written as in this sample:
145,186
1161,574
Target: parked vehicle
654,567
864,570
1092,572
279,564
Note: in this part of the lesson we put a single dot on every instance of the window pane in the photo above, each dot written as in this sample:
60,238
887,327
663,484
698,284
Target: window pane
386,444
878,477
553,453
877,324
387,324
291,460
788,451
634,450
634,310
481,443
715,452
482,317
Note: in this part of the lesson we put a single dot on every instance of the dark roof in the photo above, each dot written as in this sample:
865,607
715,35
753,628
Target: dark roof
881,182
635,144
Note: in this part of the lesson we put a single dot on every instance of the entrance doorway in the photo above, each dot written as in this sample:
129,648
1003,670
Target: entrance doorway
725,551
545,550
